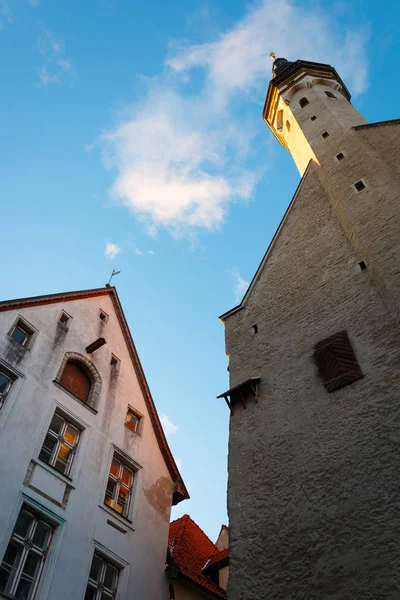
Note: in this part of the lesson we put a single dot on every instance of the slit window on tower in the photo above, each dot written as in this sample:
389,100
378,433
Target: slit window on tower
288,126
279,120
303,102
313,118
330,95
339,156
325,135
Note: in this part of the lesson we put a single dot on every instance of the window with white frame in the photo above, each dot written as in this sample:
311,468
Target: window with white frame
6,382
119,487
25,555
103,579
60,444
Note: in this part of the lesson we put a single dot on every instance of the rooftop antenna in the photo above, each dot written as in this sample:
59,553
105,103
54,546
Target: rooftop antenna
114,272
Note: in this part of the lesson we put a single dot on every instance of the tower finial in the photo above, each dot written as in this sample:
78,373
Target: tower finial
272,55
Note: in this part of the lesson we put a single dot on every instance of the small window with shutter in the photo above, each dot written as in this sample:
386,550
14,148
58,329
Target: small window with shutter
337,362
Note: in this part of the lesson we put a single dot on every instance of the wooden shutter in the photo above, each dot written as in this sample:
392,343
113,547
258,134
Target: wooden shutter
75,380
337,362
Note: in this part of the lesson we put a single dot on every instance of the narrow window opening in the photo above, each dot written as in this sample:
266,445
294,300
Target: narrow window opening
313,118
64,318
359,185
303,102
362,265
115,361
325,135
340,156
103,316
279,120
254,329
330,95
288,125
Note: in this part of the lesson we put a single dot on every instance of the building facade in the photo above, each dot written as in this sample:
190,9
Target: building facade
87,476
197,569
314,361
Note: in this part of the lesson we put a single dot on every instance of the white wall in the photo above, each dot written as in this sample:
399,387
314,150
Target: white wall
24,420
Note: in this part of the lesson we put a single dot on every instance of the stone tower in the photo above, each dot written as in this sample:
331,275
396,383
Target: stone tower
314,361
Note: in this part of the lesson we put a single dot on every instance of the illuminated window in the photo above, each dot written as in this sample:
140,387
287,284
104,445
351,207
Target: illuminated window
25,555
60,444
133,420
103,579
22,333
119,487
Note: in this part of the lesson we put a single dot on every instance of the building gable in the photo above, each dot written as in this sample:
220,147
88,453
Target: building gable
110,293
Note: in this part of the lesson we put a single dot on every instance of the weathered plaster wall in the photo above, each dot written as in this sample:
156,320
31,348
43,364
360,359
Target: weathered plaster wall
24,421
313,477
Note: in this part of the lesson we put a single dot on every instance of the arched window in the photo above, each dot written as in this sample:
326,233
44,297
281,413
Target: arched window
75,379
79,376
303,102
330,95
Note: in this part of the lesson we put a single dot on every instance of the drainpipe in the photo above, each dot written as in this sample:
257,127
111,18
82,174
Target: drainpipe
171,571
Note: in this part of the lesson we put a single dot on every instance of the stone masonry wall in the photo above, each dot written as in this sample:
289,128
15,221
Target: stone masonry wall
313,477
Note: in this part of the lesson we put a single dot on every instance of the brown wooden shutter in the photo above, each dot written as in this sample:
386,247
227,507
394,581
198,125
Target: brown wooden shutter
75,380
337,362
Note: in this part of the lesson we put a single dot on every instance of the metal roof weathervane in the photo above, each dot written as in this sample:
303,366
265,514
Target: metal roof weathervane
114,272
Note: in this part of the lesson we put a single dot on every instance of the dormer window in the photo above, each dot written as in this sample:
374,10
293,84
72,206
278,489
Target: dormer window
303,102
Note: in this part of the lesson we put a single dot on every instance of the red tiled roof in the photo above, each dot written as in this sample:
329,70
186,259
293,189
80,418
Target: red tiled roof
191,549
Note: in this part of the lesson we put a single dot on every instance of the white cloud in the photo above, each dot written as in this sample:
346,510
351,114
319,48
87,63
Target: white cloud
168,426
34,3
150,252
138,252
180,155
56,67
112,250
241,284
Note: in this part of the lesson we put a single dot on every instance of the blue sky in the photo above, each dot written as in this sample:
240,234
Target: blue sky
132,138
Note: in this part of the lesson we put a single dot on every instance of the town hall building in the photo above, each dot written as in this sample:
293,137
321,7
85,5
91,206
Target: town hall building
314,361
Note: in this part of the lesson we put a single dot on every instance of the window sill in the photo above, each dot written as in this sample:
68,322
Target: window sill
61,387
123,520
64,478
